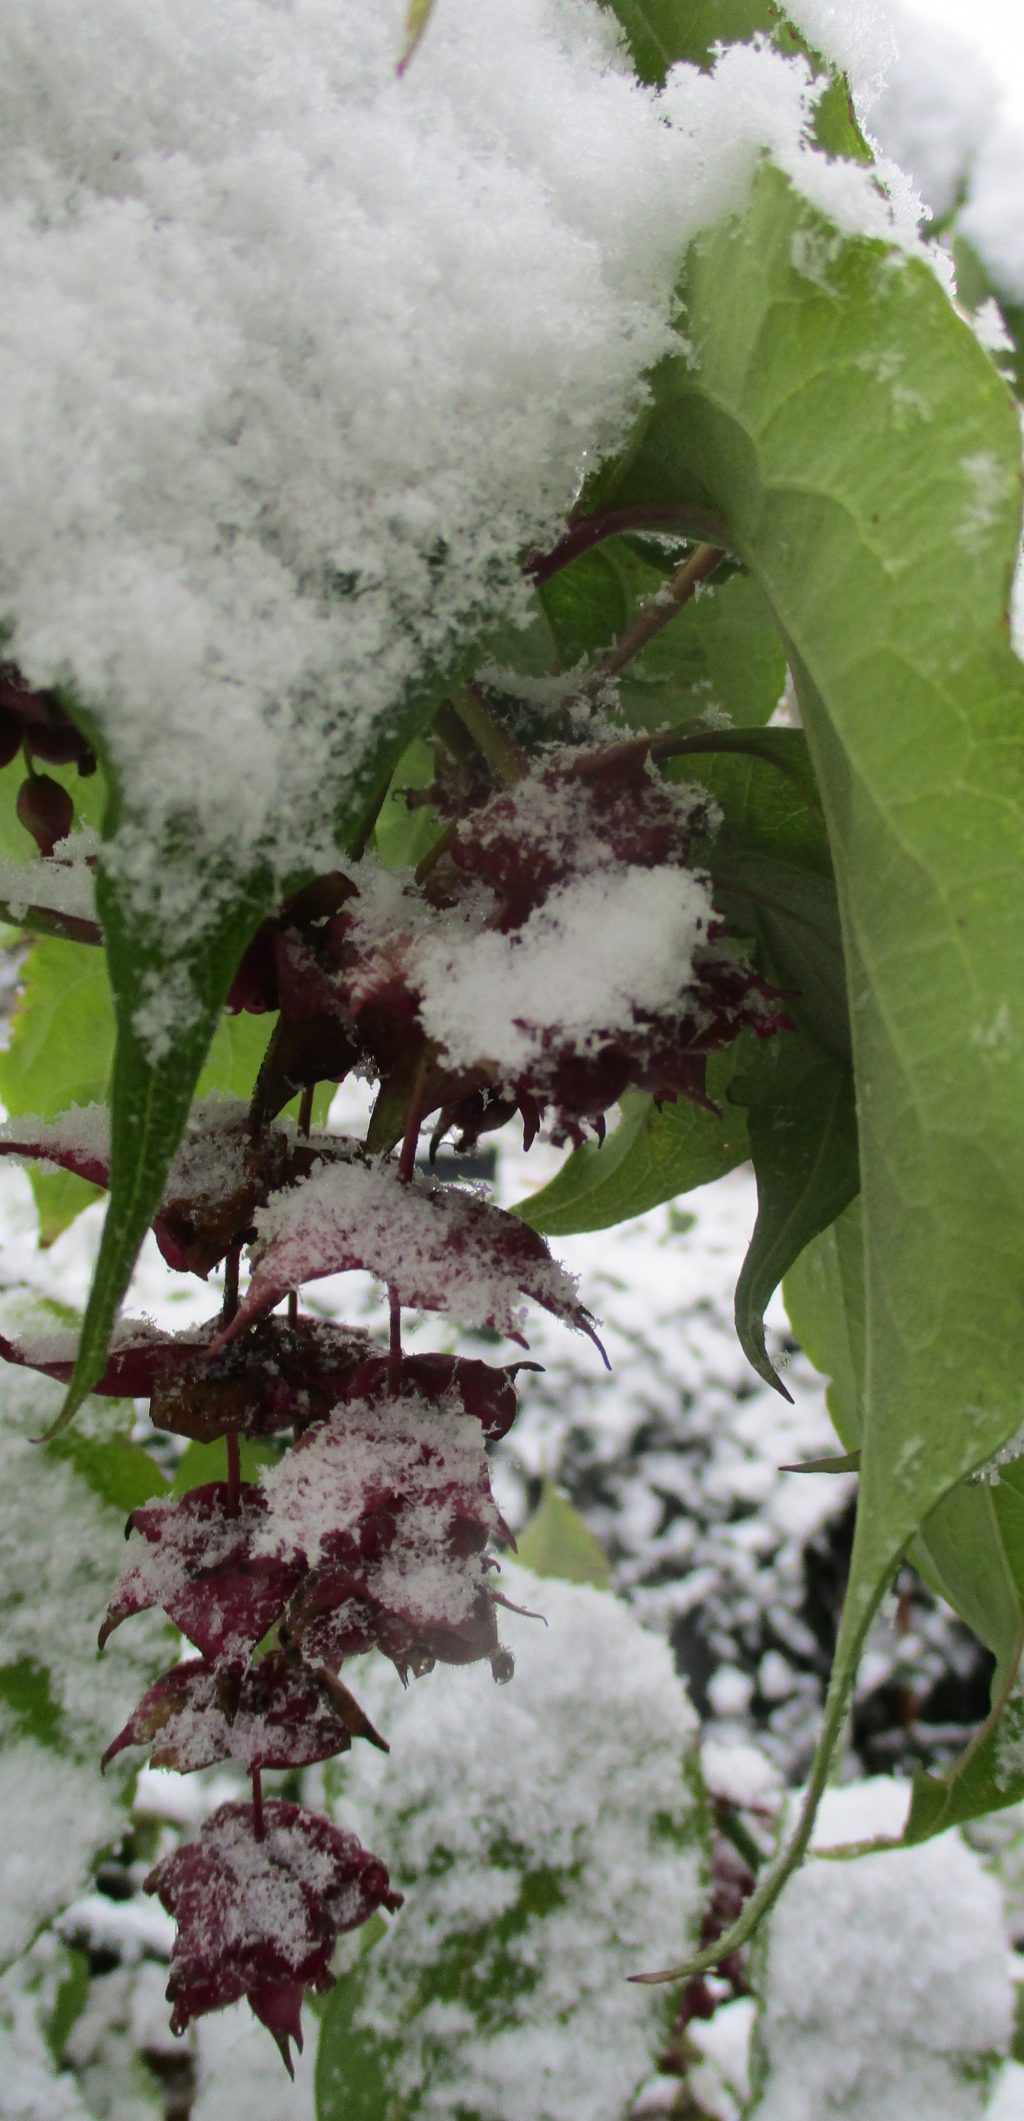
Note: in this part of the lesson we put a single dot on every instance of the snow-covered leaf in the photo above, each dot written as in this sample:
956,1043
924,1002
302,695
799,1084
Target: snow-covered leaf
884,564
440,1248
61,1540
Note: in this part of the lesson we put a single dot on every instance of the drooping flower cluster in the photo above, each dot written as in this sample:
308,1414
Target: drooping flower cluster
558,948
559,952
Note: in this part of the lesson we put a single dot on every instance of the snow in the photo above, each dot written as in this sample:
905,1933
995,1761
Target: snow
297,357
936,109
522,1824
884,1981
60,1549
323,1489
993,219
441,1248
599,952
63,884
856,35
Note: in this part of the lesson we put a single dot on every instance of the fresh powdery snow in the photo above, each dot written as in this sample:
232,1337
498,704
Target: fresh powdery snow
599,950
60,1549
548,1842
296,356
885,1981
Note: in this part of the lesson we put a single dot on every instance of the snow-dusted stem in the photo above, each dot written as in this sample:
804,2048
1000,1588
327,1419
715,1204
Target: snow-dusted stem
671,598
257,1804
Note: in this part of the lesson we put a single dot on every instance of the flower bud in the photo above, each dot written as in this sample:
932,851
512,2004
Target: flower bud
46,810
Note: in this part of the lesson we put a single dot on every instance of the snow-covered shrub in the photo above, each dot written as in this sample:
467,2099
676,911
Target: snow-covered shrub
546,1833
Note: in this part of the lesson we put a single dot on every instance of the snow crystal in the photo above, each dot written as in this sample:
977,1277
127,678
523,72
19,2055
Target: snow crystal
885,1986
59,1550
856,35
296,357
936,108
56,885
324,1488
993,219
758,100
523,1824
600,950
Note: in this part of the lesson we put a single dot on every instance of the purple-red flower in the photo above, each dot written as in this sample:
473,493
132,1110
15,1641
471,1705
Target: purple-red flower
282,1719
439,1248
198,1563
260,1917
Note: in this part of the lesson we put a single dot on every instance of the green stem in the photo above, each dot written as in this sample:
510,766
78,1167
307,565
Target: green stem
771,1882
506,761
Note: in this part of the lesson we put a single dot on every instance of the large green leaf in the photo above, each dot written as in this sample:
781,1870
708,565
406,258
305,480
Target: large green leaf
354,2067
803,1139
719,657
970,1549
167,1007
885,541
661,32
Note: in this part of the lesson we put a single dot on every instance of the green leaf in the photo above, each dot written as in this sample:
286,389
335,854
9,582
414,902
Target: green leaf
201,1462
885,542
354,2068
803,1139
60,1054
403,836
121,1473
557,1542
25,1693
661,32
772,870
650,1157
62,1050
975,285
720,657
167,1011
823,1292
970,1549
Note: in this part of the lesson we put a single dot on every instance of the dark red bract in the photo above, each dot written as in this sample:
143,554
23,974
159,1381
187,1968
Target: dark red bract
261,1917
197,1563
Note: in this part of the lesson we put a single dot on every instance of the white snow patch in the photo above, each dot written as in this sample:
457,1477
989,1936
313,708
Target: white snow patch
601,951
540,1803
885,1984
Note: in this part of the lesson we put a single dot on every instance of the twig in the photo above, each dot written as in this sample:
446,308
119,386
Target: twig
662,608
613,522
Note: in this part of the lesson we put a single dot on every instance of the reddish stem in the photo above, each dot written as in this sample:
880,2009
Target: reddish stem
414,1121
234,1476
230,1304
395,1352
257,1804
293,1306
613,522
306,1108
